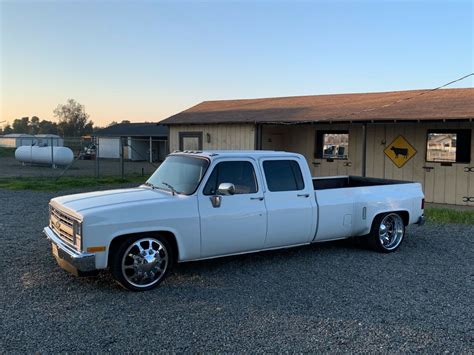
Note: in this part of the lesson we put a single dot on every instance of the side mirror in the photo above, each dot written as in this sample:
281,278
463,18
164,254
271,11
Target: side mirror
226,188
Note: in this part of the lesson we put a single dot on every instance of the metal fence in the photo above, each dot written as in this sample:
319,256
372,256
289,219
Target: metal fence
84,156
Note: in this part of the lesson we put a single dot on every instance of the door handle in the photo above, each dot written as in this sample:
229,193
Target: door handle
303,195
257,198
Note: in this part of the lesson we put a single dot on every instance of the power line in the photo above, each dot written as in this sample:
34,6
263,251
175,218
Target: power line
424,92
411,97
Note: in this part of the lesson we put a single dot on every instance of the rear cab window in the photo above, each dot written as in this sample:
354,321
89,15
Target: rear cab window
283,175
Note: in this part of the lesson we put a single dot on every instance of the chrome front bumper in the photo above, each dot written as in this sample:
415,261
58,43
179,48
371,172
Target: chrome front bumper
70,260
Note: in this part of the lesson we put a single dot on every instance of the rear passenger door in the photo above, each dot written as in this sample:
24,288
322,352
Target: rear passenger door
289,204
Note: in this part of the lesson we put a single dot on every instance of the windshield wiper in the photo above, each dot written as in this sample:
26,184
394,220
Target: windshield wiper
173,190
149,184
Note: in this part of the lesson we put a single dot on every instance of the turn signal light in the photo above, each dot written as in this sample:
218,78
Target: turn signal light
95,249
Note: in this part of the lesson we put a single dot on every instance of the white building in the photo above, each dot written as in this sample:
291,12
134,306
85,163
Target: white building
15,140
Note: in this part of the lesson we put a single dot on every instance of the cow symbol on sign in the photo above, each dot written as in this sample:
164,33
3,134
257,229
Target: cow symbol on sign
400,151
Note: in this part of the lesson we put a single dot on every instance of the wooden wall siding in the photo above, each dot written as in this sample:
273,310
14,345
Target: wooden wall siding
301,139
229,136
442,184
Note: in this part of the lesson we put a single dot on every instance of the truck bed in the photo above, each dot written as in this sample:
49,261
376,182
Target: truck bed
339,182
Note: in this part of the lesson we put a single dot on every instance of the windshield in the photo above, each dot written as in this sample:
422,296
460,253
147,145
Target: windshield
179,173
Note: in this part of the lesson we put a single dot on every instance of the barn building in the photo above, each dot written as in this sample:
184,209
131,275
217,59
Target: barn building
140,141
418,135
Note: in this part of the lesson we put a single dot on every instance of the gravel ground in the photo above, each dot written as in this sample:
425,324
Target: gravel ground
332,297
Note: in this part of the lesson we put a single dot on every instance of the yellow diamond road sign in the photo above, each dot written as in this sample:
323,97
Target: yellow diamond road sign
400,151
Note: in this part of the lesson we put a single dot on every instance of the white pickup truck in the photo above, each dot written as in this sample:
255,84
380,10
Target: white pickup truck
200,205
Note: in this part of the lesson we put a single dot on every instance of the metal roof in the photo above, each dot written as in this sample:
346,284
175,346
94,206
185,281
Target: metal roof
134,129
17,135
413,105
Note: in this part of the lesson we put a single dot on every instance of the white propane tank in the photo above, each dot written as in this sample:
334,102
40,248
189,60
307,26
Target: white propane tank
44,155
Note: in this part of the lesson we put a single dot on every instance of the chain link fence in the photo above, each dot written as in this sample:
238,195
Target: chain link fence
82,157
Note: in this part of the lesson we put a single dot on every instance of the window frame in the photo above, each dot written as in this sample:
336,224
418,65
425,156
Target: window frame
264,176
195,134
319,143
237,160
467,131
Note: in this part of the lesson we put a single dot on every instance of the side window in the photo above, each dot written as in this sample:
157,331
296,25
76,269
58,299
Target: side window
449,146
239,173
332,145
283,175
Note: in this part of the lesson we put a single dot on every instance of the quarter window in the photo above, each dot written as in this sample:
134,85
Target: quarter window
283,175
449,146
239,173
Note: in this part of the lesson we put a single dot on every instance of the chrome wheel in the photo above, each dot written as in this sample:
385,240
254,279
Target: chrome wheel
145,262
391,231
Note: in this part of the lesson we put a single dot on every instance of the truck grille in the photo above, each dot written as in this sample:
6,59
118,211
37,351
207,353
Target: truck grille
63,226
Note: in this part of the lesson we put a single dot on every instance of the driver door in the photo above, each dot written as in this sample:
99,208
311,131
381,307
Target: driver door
239,223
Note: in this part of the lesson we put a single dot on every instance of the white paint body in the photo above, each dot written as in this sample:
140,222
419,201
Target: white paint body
44,155
240,224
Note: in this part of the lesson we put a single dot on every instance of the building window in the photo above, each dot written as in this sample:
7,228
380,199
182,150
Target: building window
190,141
449,146
332,145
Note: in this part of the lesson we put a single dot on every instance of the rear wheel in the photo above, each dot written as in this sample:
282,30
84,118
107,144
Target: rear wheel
141,263
387,233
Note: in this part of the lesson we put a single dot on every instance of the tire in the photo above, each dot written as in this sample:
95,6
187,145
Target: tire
387,232
140,263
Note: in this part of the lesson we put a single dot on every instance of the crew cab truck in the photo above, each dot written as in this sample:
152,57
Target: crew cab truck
201,205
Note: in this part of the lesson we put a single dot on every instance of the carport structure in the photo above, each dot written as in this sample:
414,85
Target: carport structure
350,134
137,141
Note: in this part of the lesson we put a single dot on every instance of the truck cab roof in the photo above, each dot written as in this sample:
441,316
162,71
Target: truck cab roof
236,153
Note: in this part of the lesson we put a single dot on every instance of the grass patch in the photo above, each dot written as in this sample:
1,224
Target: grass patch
64,183
7,152
447,215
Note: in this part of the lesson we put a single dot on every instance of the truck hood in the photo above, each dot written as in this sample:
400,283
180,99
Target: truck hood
85,201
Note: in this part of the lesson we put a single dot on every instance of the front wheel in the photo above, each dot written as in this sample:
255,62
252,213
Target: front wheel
141,263
387,233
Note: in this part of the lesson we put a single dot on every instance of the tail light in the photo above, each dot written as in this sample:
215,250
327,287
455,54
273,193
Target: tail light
422,203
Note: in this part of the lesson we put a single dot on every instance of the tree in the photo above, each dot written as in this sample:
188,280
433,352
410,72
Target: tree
73,119
7,129
47,127
34,125
21,125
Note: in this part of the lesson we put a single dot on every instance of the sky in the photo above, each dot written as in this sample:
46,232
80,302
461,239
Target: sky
146,60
